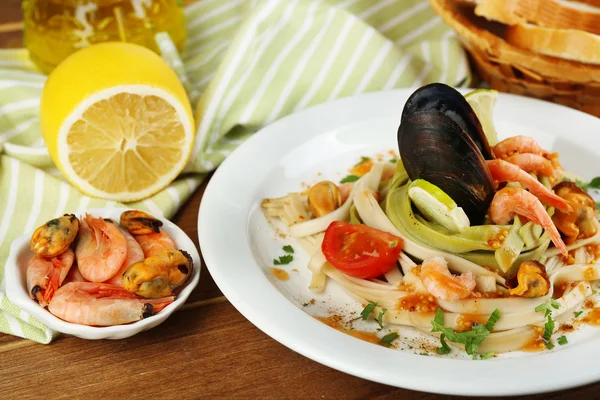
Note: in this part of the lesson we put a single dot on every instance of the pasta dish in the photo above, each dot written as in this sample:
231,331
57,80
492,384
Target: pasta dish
485,244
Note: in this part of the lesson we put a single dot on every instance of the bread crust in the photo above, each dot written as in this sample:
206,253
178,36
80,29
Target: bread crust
559,14
498,49
595,3
569,44
506,79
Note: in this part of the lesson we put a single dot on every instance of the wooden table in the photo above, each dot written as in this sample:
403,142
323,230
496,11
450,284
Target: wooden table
207,349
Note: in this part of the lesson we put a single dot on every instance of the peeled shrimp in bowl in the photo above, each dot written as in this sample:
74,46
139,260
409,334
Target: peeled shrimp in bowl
17,290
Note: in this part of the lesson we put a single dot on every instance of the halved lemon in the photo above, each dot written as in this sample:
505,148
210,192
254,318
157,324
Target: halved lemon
482,101
117,121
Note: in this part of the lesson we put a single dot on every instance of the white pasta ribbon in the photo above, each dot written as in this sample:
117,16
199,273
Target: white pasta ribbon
519,323
369,180
315,265
485,283
394,276
372,215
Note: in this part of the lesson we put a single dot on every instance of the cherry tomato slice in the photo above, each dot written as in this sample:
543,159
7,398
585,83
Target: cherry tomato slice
360,251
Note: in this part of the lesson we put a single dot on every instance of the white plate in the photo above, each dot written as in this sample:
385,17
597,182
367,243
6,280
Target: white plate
238,244
16,286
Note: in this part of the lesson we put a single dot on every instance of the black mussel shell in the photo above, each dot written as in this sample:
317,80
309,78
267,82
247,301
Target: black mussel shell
435,148
451,103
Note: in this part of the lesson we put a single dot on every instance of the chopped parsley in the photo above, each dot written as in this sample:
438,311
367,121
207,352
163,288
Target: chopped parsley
363,160
380,317
562,340
445,348
472,339
578,313
305,304
389,338
394,160
595,183
283,260
288,249
350,178
486,356
368,310
548,328
546,307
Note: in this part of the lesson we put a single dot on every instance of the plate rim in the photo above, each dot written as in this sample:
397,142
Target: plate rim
312,351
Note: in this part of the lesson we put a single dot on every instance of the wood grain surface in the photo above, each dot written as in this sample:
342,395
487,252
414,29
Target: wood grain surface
205,350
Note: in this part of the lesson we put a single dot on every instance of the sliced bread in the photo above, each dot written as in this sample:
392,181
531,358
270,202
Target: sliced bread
475,35
569,44
560,14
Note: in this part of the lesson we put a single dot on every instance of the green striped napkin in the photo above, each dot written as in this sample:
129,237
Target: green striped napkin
246,64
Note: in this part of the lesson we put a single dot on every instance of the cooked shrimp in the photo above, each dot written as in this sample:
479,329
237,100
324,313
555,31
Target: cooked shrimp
504,171
517,144
74,276
101,249
553,158
101,304
510,201
134,254
438,280
535,163
154,243
45,275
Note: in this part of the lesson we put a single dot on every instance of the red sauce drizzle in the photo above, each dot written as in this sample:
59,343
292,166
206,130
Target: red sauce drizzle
417,302
592,318
336,322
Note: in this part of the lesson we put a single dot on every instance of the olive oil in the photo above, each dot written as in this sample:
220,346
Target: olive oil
56,28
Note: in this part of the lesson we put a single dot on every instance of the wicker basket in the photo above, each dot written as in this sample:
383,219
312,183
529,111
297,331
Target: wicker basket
513,70
511,79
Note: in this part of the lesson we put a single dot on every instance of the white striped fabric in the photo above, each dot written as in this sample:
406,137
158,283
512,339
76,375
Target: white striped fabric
246,64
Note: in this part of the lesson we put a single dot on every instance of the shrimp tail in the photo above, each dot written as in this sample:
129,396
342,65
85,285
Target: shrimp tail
555,201
51,286
549,226
510,201
504,171
152,306
34,292
108,290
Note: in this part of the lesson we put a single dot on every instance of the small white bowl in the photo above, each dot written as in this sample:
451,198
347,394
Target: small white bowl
16,286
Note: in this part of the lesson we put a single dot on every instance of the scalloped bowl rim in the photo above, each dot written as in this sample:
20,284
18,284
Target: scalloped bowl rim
16,291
